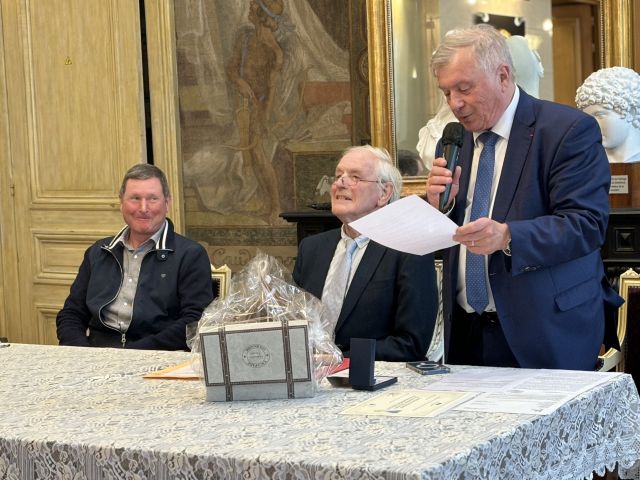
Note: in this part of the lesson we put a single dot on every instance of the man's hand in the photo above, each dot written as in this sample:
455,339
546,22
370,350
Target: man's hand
438,178
483,236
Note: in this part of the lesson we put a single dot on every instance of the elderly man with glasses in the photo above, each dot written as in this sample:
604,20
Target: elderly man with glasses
367,290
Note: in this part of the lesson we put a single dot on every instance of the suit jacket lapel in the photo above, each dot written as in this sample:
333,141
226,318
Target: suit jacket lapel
520,139
367,267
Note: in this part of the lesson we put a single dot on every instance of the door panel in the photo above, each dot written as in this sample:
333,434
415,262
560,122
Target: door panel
574,50
75,119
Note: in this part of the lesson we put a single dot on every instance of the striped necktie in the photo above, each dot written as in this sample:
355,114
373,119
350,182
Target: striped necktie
334,295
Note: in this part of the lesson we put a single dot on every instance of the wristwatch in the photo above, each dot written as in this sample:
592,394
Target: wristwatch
507,250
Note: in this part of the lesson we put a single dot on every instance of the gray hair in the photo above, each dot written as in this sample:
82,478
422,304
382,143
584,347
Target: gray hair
145,171
386,171
489,48
616,89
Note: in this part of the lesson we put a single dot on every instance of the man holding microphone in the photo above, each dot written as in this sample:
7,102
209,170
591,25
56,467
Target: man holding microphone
526,286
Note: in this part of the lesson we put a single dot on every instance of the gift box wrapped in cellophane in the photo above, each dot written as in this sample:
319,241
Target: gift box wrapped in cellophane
264,340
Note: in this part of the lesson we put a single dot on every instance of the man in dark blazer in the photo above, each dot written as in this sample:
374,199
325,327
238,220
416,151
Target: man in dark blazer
144,286
390,296
548,211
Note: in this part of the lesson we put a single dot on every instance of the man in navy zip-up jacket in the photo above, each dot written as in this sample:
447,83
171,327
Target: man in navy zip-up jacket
142,287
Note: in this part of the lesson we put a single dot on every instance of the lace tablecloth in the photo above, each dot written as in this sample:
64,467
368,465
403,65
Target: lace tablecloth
82,413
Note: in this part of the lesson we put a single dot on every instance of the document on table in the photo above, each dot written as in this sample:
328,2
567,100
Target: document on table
408,403
182,371
409,225
527,391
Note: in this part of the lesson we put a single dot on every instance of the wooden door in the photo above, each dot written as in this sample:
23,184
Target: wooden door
72,122
575,50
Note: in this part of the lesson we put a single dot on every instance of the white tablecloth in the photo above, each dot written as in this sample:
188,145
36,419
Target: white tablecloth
82,413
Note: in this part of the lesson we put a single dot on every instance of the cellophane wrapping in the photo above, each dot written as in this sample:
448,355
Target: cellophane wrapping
264,292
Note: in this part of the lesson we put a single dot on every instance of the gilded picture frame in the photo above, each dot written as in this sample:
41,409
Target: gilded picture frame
221,276
616,50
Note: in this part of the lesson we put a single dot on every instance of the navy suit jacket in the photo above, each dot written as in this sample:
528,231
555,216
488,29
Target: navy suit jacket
392,297
553,195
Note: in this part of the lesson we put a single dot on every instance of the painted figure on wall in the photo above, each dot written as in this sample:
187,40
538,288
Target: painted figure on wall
255,67
612,97
259,80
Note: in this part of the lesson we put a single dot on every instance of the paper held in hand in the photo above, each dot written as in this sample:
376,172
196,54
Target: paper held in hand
409,225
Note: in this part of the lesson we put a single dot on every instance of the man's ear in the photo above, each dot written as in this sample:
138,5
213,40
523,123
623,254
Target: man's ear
385,194
504,73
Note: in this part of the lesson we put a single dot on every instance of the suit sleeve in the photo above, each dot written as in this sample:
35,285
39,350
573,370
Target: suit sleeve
415,311
73,319
573,222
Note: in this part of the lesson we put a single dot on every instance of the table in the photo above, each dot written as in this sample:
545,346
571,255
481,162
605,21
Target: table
70,412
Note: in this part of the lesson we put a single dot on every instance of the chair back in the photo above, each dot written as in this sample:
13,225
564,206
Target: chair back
629,290
220,277
435,352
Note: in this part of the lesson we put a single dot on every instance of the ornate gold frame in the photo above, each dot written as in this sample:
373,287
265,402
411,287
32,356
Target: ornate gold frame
616,48
221,276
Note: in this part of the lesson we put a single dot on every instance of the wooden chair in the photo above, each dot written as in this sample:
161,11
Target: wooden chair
220,277
435,352
629,289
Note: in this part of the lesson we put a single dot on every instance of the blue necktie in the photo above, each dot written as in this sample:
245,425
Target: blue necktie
475,276
336,291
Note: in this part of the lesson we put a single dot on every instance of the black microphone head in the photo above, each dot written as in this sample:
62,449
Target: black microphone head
453,134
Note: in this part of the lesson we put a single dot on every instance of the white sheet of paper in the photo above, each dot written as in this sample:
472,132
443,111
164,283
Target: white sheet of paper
409,403
409,225
526,391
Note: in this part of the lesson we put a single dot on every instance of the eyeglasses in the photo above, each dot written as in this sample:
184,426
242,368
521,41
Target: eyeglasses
350,180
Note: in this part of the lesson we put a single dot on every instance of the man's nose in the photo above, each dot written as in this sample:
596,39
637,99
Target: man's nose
338,181
144,205
455,101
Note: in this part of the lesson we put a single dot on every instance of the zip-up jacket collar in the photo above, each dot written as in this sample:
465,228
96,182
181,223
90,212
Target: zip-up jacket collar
162,246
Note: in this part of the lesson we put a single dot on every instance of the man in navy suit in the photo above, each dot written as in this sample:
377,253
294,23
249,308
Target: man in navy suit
386,295
539,243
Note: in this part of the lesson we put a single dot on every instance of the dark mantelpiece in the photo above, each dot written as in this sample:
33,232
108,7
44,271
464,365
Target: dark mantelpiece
310,222
621,250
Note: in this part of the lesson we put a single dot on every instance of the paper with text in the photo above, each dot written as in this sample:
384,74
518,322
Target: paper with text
409,225
526,391
409,403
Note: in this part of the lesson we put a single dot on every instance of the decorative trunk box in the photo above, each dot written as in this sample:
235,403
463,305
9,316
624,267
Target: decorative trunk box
257,361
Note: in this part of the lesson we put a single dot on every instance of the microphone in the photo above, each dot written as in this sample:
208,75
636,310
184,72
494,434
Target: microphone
452,138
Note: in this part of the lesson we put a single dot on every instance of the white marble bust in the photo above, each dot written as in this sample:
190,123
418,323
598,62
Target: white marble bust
429,135
527,65
612,97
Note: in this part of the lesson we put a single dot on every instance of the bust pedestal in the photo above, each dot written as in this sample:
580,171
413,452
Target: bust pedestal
625,185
